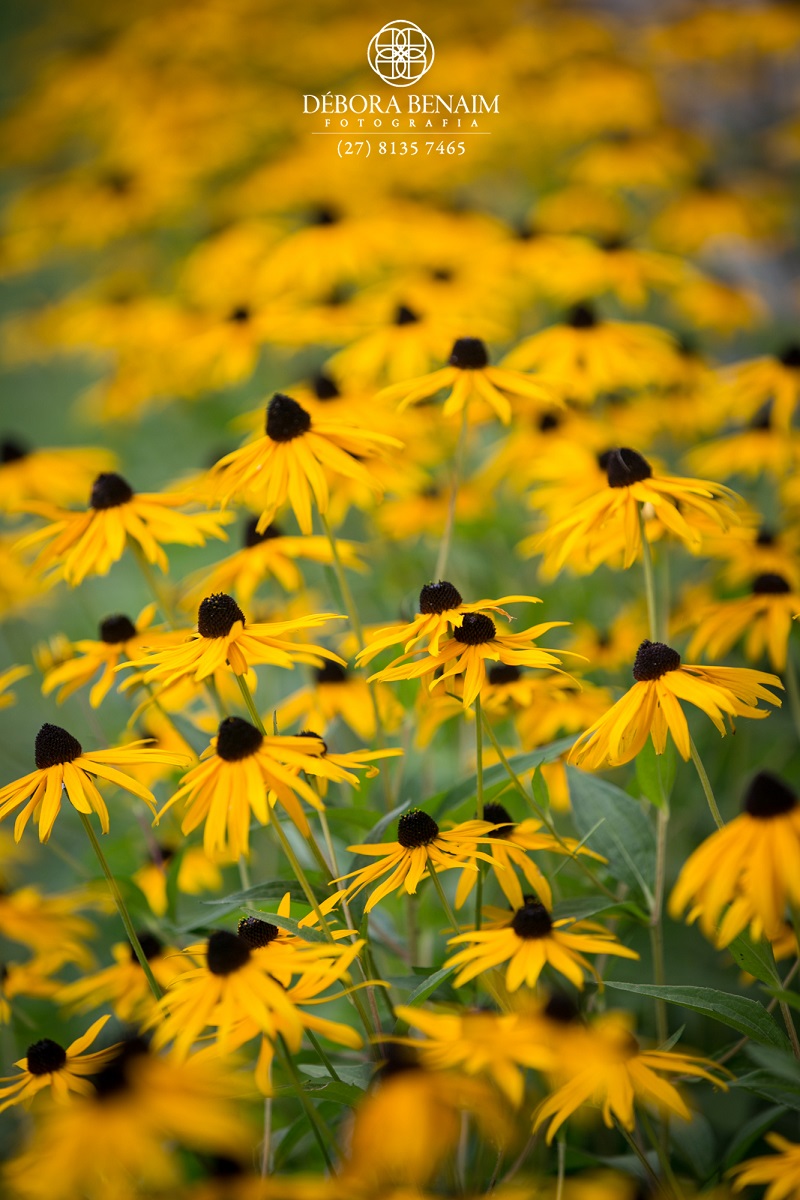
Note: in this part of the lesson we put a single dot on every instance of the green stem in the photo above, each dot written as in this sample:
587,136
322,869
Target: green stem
458,466
320,1131
265,1157
793,688
157,591
649,579
562,1163
657,923
642,1157
326,1062
663,1157
213,691
437,883
121,908
250,704
705,783
478,799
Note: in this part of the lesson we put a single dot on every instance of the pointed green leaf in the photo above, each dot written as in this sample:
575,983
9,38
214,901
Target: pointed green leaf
747,1016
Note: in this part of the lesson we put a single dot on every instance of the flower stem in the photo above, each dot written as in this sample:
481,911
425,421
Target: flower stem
213,691
478,798
319,1130
792,687
250,704
705,783
156,589
437,883
265,1157
458,464
121,907
649,580
663,1157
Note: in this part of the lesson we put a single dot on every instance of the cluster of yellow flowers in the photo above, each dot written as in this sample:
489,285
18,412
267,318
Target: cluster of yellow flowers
449,374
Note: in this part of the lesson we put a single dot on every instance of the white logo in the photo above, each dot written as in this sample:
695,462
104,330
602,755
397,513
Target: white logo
401,53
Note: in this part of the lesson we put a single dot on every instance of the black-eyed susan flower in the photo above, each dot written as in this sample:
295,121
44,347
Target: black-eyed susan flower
47,1064
608,521
421,847
336,692
142,1105
33,978
233,977
751,867
240,776
781,1171
497,1045
761,448
510,844
88,543
52,927
63,766
587,355
530,940
268,554
7,680
652,706
469,379
61,475
287,462
608,1069
441,609
773,379
120,638
763,619
342,765
123,986
196,873
473,643
224,637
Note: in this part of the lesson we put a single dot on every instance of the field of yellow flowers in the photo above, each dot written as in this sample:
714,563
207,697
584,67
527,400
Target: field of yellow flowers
400,775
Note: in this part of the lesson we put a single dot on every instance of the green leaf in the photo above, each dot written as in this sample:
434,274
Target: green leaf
765,1085
429,986
746,1016
521,764
582,907
275,890
756,958
694,1141
655,773
615,825
308,933
750,1133
346,818
358,1074
327,1089
540,790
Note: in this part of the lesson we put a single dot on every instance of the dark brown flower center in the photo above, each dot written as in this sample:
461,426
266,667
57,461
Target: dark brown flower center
532,920
54,745
12,451
257,933
286,419
45,1056
237,739
117,629
624,467
561,1008
475,629
790,355
226,953
253,538
151,946
438,597
240,315
503,673
654,659
109,491
498,814
330,672
115,1076
325,388
416,828
770,584
469,354
581,316
768,796
405,316
217,615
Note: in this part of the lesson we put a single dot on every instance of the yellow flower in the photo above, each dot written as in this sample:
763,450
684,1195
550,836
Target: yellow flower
287,462
49,1065
56,476
244,975
510,845
781,1170
48,925
7,680
528,942
62,765
240,776
608,521
765,617
33,978
421,847
87,543
470,379
196,873
474,642
479,1043
269,553
587,356
120,639
224,637
762,448
336,692
441,609
124,986
751,864
651,706
608,1069
772,379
